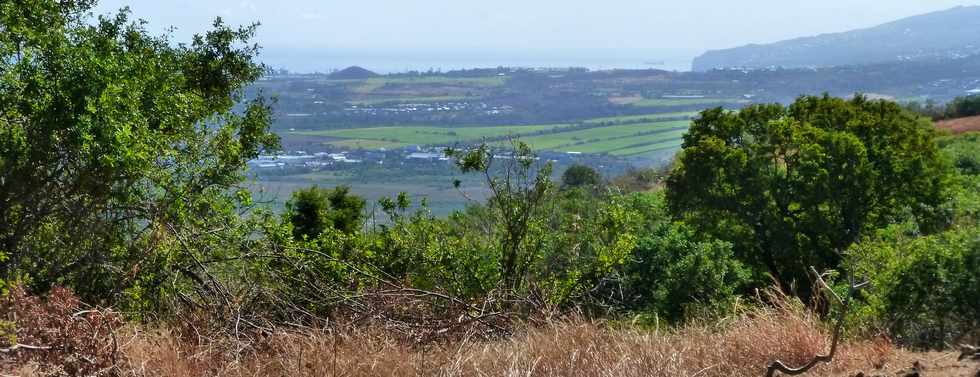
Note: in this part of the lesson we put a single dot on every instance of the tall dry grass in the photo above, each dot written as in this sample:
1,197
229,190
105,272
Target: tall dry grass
738,346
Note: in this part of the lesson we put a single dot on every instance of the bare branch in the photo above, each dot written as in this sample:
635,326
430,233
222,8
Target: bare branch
778,365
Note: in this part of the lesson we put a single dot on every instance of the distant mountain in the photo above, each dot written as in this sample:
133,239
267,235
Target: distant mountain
352,73
945,34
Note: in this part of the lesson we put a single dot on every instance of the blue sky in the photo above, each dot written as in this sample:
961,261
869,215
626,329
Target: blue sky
525,25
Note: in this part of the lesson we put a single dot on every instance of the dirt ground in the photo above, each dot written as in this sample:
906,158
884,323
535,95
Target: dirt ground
961,125
934,364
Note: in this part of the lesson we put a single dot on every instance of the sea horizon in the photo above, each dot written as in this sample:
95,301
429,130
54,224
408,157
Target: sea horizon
399,61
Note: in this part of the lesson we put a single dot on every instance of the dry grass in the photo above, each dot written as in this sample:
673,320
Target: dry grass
961,125
737,347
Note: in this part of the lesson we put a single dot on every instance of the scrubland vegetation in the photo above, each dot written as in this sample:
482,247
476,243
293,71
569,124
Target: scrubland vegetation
129,245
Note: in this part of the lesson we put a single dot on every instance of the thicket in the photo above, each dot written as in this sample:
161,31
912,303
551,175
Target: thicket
122,160
959,107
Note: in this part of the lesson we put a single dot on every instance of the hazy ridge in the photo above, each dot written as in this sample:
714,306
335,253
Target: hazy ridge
944,34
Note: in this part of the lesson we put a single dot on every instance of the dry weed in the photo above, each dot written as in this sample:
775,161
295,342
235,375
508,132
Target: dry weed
740,346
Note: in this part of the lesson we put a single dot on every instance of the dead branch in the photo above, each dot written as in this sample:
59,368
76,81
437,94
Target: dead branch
852,288
17,347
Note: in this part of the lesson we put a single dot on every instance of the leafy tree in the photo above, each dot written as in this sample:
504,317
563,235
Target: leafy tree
313,210
587,238
519,188
925,289
580,176
963,107
673,270
959,107
964,151
115,143
789,187
639,180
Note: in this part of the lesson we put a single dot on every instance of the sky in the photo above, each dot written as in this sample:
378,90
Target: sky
530,27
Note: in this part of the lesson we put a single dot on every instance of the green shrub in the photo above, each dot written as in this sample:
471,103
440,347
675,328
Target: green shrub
924,290
672,270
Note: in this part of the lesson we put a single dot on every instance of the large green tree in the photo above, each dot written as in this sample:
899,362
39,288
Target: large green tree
794,186
580,176
313,210
114,142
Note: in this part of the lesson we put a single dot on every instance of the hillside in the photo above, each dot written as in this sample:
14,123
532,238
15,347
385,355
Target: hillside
352,73
960,125
950,33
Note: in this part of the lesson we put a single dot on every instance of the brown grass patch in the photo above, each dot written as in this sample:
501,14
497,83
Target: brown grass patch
739,346
961,125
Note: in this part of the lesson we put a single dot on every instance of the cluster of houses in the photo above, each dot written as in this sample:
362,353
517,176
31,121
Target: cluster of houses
406,156
402,108
301,158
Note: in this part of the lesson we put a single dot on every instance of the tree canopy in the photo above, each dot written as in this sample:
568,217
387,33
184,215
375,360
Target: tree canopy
580,176
112,140
794,186
313,210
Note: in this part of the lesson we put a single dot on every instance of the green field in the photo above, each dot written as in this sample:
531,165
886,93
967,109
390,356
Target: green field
591,135
438,190
650,148
400,136
372,84
662,102
614,145
641,118
617,139
365,144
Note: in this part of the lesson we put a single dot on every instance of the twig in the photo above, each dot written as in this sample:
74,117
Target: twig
778,365
27,347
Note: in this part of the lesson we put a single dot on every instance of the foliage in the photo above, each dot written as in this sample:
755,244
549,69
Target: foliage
790,187
925,289
313,210
639,180
591,236
671,270
673,273
436,254
580,176
517,196
114,142
964,152
959,107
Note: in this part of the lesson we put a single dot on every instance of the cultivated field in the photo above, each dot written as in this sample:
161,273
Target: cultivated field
642,117
610,139
613,135
400,136
373,84
670,102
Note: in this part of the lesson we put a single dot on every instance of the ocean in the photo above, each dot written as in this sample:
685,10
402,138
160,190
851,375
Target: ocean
396,61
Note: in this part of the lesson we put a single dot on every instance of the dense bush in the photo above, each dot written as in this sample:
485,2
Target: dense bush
964,152
115,143
792,186
311,211
580,176
672,273
925,289
959,107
